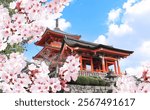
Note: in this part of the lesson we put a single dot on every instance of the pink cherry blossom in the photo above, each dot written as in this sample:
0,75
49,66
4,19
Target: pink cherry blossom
55,84
3,59
41,84
126,84
70,68
16,75
25,25
44,69
31,67
143,88
130,84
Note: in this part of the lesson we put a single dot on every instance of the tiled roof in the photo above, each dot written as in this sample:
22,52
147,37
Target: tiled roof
84,44
57,30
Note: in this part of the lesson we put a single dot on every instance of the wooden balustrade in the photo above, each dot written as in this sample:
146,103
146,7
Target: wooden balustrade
94,74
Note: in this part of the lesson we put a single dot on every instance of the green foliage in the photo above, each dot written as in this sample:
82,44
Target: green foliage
13,48
94,81
16,47
82,80
102,82
87,80
6,3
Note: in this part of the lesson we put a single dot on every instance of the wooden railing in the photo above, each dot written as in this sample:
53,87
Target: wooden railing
103,75
94,74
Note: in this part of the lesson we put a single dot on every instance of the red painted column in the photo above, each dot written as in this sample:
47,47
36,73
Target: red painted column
92,67
115,67
106,66
119,72
81,65
103,64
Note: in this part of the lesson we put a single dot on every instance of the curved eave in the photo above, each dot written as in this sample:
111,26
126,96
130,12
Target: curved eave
57,33
38,55
83,45
43,37
114,49
102,50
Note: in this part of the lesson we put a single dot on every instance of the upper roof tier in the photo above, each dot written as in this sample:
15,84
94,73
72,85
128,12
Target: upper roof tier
90,45
55,33
96,47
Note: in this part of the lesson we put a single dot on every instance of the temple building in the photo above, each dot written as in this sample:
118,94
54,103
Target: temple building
94,58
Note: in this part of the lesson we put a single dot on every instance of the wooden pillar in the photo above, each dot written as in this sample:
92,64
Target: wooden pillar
119,72
99,67
81,64
92,66
106,66
115,67
103,64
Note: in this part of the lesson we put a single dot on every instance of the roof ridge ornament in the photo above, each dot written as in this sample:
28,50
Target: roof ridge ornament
57,25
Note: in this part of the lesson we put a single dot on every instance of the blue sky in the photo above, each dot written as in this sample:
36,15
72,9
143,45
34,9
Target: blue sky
88,18
120,23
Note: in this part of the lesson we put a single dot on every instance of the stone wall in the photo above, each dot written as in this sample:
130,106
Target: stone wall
89,89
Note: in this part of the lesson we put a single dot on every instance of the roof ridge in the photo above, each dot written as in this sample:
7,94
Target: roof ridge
62,32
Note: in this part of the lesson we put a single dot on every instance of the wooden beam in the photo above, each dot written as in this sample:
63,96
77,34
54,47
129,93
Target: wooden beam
86,58
109,62
110,58
84,49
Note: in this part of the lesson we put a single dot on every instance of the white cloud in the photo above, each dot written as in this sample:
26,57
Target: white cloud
114,15
101,40
129,4
63,24
119,30
132,71
136,7
145,48
132,32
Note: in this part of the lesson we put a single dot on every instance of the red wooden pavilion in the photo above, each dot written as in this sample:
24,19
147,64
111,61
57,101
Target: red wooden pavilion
57,45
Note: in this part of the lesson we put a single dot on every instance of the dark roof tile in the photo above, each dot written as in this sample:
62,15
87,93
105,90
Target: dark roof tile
84,44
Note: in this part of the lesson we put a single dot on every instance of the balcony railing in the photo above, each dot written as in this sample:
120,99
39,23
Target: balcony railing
94,74
103,75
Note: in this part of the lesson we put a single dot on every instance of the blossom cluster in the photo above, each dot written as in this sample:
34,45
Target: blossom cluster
17,75
26,23
133,84
70,68
12,77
